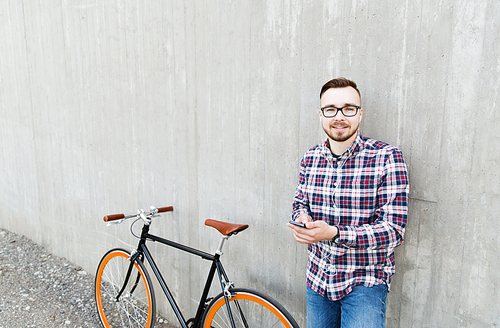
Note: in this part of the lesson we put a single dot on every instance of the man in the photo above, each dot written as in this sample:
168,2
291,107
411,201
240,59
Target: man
352,197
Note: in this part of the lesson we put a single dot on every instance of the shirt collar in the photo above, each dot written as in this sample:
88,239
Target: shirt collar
353,148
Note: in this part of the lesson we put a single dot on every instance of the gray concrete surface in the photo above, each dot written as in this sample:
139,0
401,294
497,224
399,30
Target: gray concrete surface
110,106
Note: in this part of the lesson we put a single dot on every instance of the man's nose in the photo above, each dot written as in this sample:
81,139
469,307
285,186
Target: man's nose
340,115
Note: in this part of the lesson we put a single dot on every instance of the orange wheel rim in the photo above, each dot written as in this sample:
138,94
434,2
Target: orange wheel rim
250,297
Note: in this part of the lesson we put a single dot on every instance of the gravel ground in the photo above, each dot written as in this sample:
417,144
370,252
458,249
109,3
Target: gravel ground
38,289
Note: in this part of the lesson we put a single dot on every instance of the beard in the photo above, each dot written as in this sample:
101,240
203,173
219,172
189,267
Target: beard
340,136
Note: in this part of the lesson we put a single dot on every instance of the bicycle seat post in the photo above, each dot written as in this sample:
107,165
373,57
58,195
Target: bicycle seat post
221,244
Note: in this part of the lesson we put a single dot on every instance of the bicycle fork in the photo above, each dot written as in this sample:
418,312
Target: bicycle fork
132,259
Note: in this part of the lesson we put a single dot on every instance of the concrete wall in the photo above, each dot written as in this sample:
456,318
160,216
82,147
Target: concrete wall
110,106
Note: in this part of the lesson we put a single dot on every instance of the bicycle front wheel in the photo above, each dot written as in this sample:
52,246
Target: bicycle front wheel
136,305
249,308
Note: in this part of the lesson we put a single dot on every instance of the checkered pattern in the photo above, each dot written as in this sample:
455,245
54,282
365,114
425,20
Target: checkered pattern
364,193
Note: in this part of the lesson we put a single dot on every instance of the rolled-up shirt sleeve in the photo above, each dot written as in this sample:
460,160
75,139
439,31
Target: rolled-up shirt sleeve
300,201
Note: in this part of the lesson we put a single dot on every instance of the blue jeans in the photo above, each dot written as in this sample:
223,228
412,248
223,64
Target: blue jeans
363,307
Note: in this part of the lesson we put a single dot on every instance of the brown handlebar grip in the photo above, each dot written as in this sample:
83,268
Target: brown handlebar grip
165,209
113,217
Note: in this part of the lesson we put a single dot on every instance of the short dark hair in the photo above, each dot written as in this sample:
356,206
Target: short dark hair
340,82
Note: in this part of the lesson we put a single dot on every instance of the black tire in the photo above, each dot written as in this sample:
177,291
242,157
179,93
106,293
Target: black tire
136,307
249,308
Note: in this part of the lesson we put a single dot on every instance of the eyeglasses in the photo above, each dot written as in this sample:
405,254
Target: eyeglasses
347,111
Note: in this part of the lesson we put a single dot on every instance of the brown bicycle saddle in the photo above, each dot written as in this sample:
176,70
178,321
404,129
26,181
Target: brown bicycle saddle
226,228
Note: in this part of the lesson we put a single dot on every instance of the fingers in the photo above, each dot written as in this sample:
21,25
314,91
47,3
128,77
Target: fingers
303,236
300,238
303,218
297,233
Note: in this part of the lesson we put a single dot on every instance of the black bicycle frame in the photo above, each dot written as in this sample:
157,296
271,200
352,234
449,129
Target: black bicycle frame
216,266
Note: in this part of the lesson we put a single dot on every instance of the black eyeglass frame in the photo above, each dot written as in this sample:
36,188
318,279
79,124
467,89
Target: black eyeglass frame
340,109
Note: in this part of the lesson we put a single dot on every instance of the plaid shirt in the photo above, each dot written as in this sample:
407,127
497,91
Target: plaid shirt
364,193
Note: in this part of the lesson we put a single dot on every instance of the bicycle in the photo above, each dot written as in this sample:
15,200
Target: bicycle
125,297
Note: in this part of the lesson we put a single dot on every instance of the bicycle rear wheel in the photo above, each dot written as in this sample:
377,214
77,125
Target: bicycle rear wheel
249,309
136,305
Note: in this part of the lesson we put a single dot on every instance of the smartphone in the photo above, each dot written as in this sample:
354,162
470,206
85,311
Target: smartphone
298,224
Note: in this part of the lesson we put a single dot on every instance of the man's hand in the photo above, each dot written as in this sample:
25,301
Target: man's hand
315,231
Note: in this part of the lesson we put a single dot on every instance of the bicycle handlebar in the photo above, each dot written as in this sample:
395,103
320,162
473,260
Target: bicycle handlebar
165,209
114,217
